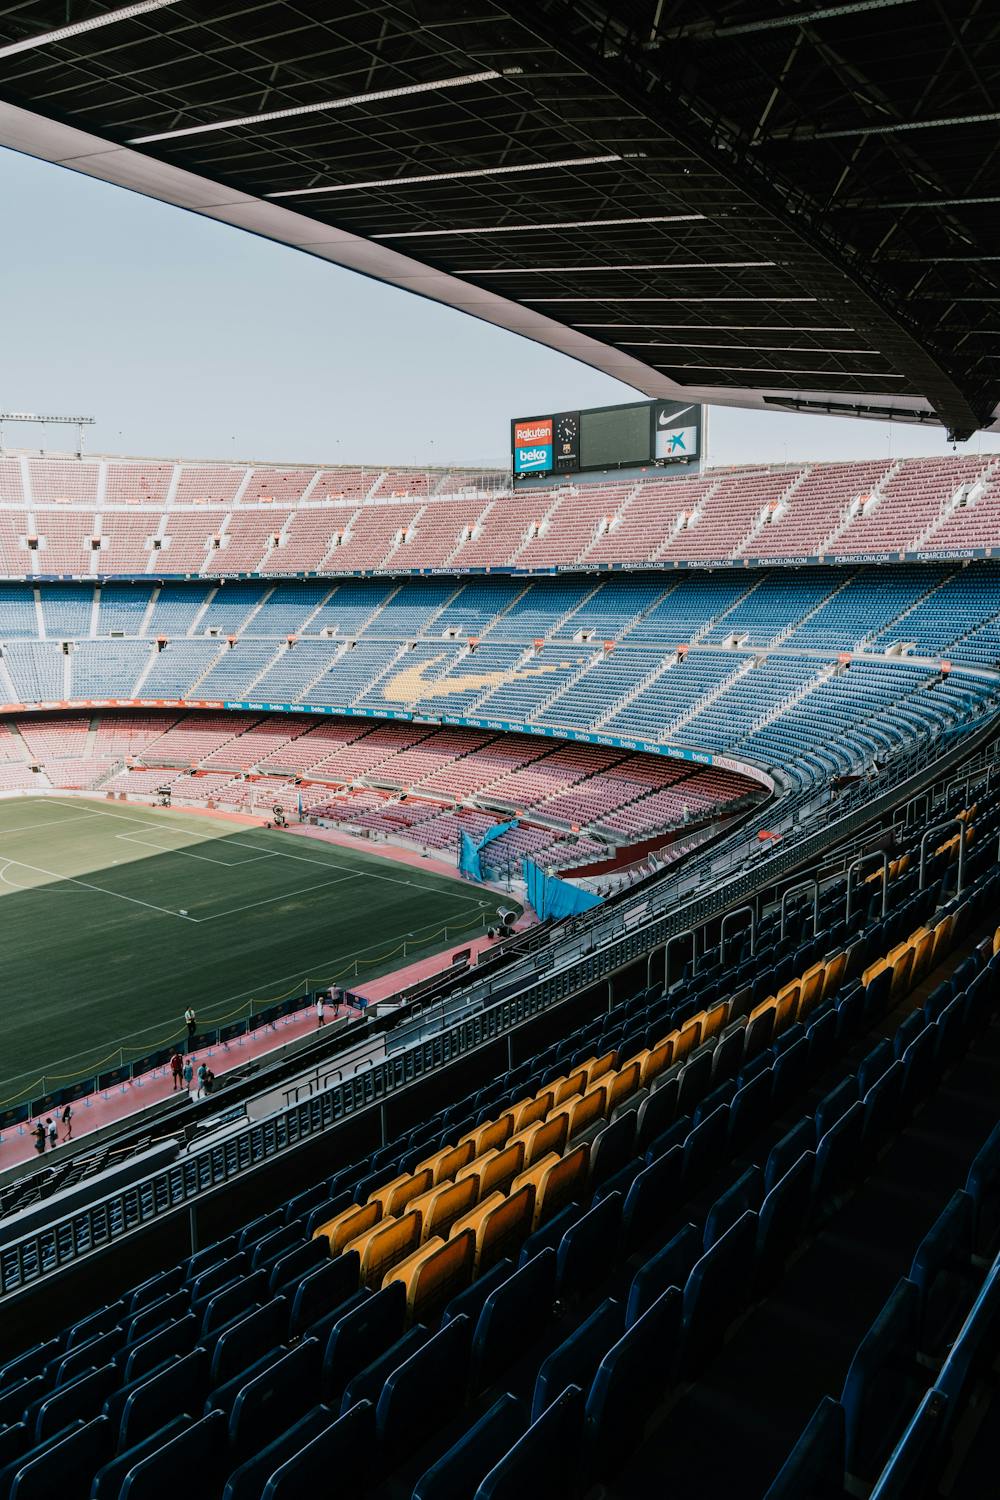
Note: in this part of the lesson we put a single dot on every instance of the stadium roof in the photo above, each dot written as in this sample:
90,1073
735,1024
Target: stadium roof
773,203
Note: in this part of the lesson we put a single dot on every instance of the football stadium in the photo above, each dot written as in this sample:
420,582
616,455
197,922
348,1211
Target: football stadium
501,961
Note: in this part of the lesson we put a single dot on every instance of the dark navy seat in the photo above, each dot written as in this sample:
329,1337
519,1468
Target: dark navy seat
651,1197
669,1267
588,1247
575,1360
273,1399
425,1391
511,1315
715,1289
546,1460
359,1335
457,1474
814,1470
343,1450
883,1383
630,1380
942,1272
324,1289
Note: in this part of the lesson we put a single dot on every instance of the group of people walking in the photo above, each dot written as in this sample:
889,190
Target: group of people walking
46,1132
185,1076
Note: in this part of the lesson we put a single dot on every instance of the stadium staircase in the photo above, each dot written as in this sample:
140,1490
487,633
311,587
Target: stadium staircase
747,664
848,516
765,516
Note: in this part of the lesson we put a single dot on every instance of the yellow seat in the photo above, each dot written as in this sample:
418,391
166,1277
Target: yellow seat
623,1086
444,1164
491,1136
658,1059
348,1224
598,1066
382,1247
943,935
715,1020
499,1225
786,1005
996,941
834,974
565,1088
544,1136
811,989
433,1274
575,1115
530,1110
555,1180
689,1037
873,971
394,1196
441,1206
923,949
902,968
499,1172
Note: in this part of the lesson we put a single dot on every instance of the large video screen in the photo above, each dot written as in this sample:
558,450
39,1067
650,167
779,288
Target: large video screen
662,434
617,435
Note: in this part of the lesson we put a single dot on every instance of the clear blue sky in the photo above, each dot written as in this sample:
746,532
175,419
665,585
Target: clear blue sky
188,338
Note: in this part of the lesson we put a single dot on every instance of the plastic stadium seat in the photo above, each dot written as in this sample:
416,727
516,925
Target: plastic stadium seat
385,1245
669,1267
348,1225
575,1360
704,1147
835,1104
323,1289
511,1315
611,1148
425,1391
883,1383
541,1138
394,1196
433,1274
496,1170
441,1206
273,1399
882,1104
275,1244
101,1321
181,1386
79,1399
469,1303
108,1479
248,1480
199,1448
631,1379
232,1302
745,1193
357,1336
367,1383
783,1214
911,1470
546,1460
587,1248
444,1164
983,1186
99,1350
814,1470
156,1314
656,1113
178,1337
294,1264
343,1449
942,1273
490,1136
457,1474
247,1340
750,1109
715,1289
65,1466
651,1198
499,1225
839,1151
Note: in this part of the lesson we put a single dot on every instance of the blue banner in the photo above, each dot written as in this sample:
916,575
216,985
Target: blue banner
553,898
469,862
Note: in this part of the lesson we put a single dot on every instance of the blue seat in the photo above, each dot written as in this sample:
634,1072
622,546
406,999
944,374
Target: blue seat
278,1243
786,1152
729,1052
919,1061
745,1193
669,1267
155,1287
883,1383
814,1470
715,1289
156,1315
108,1479
425,1391
751,1107
983,1187
199,1448
611,1148
469,1301
273,1399
323,1290
839,1152
721,1094
286,1271
19,1448
248,1480
367,1384
357,1336
111,1315
760,1033
303,1203
457,1474
835,1104
32,1362
547,1237
575,1360
907,1031
630,1381
821,1035
651,1198
211,1255
546,1460
942,1272
343,1451
587,1248
251,1234
246,1340
214,1278
231,1302
850,1014
80,1399
882,1105
936,1001
704,1148
99,1350
873,1065
619,1182
177,1338
951,1031
517,1309
783,1215
328,1209
695,1079
180,1387
790,1073
64,1467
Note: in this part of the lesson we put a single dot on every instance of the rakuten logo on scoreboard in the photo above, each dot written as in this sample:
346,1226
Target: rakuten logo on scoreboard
533,446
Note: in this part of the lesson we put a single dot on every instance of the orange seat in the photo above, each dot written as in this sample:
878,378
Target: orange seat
441,1206
530,1110
433,1274
833,974
394,1196
658,1059
811,989
444,1164
545,1135
578,1115
565,1088
715,1020
559,1180
689,1037
786,1004
623,1086
382,1247
598,1066
491,1136
500,1171
349,1223
499,1225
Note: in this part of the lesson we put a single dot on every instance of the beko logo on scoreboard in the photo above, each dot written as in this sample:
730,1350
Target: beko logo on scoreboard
539,431
533,458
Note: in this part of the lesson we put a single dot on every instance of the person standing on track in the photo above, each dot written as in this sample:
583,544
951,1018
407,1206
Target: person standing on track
176,1068
53,1133
320,1017
67,1122
188,1075
191,1022
39,1134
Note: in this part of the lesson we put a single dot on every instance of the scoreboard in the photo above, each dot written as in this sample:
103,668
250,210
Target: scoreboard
638,434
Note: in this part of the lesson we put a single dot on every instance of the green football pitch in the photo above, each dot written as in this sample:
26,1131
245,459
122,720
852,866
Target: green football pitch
115,917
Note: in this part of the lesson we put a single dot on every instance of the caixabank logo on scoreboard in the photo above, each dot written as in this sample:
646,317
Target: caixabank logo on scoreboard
532,446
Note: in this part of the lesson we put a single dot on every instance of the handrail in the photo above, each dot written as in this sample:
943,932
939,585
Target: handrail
856,864
931,833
